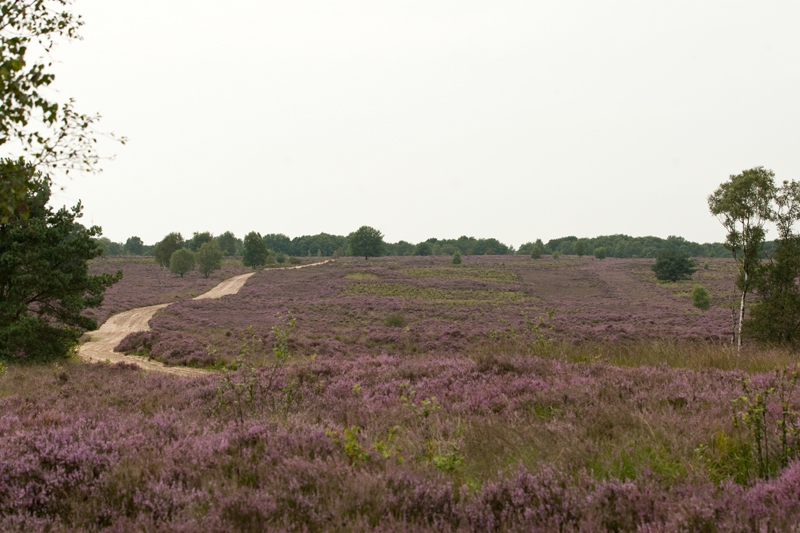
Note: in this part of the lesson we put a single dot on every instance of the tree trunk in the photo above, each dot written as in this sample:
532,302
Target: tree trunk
741,315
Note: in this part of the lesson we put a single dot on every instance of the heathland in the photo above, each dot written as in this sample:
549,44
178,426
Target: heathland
410,394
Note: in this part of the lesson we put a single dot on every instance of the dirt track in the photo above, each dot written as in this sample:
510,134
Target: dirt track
116,328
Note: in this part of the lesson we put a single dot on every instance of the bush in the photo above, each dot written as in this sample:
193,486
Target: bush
181,262
294,260
600,253
673,265
701,299
209,258
423,248
536,250
280,257
395,320
255,251
457,258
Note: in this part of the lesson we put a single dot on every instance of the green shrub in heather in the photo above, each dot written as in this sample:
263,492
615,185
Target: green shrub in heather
181,261
209,258
701,299
600,253
255,251
457,258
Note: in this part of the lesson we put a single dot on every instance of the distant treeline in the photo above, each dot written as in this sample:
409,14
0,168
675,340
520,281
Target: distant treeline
325,244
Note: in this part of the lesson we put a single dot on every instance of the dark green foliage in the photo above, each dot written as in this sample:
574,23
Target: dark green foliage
209,258
624,246
227,243
280,257
400,248
579,248
44,279
673,265
134,246
701,299
164,249
366,242
278,242
600,253
537,249
110,248
255,251
14,189
457,258
198,239
775,317
423,248
294,260
181,261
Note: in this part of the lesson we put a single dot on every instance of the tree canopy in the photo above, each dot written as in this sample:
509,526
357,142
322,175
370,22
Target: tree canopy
164,249
181,261
366,242
44,277
673,265
255,251
37,129
209,258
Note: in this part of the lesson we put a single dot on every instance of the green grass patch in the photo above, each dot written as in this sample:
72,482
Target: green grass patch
431,294
460,272
361,275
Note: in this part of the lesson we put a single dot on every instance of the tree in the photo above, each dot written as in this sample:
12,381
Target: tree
198,239
743,205
537,249
701,299
366,241
600,253
49,134
134,246
209,258
44,276
579,248
423,248
673,265
255,251
166,247
457,258
775,316
227,243
181,261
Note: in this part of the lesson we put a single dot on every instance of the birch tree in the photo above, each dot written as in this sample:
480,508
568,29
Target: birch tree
743,205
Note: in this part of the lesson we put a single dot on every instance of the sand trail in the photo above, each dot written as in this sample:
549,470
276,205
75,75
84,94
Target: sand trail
101,346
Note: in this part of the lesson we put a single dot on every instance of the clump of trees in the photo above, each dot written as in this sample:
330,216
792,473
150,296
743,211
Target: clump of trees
254,253
744,205
673,265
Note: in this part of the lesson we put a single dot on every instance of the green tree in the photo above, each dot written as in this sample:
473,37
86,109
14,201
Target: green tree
209,258
198,239
775,316
673,265
456,257
134,246
537,249
48,133
44,276
255,251
701,299
743,205
423,248
227,243
164,249
181,261
366,242
600,253
579,248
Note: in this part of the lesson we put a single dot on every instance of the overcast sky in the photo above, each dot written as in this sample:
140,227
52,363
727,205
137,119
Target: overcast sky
514,120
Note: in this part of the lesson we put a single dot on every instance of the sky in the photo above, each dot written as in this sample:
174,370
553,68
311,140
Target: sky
515,120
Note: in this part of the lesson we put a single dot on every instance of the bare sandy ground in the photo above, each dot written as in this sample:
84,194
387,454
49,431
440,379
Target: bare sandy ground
101,346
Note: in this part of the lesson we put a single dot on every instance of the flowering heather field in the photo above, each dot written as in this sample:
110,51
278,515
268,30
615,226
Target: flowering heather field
425,305
409,395
145,283
397,443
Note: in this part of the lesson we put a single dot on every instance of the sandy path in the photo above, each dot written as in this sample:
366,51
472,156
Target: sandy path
116,328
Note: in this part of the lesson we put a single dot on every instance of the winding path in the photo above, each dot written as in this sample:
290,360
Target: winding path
101,346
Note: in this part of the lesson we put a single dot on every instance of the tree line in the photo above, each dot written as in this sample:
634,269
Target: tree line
326,245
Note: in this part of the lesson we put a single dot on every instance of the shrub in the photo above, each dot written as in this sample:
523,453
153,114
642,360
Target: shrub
600,253
457,258
294,260
395,320
181,261
673,265
536,251
280,257
701,299
255,251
